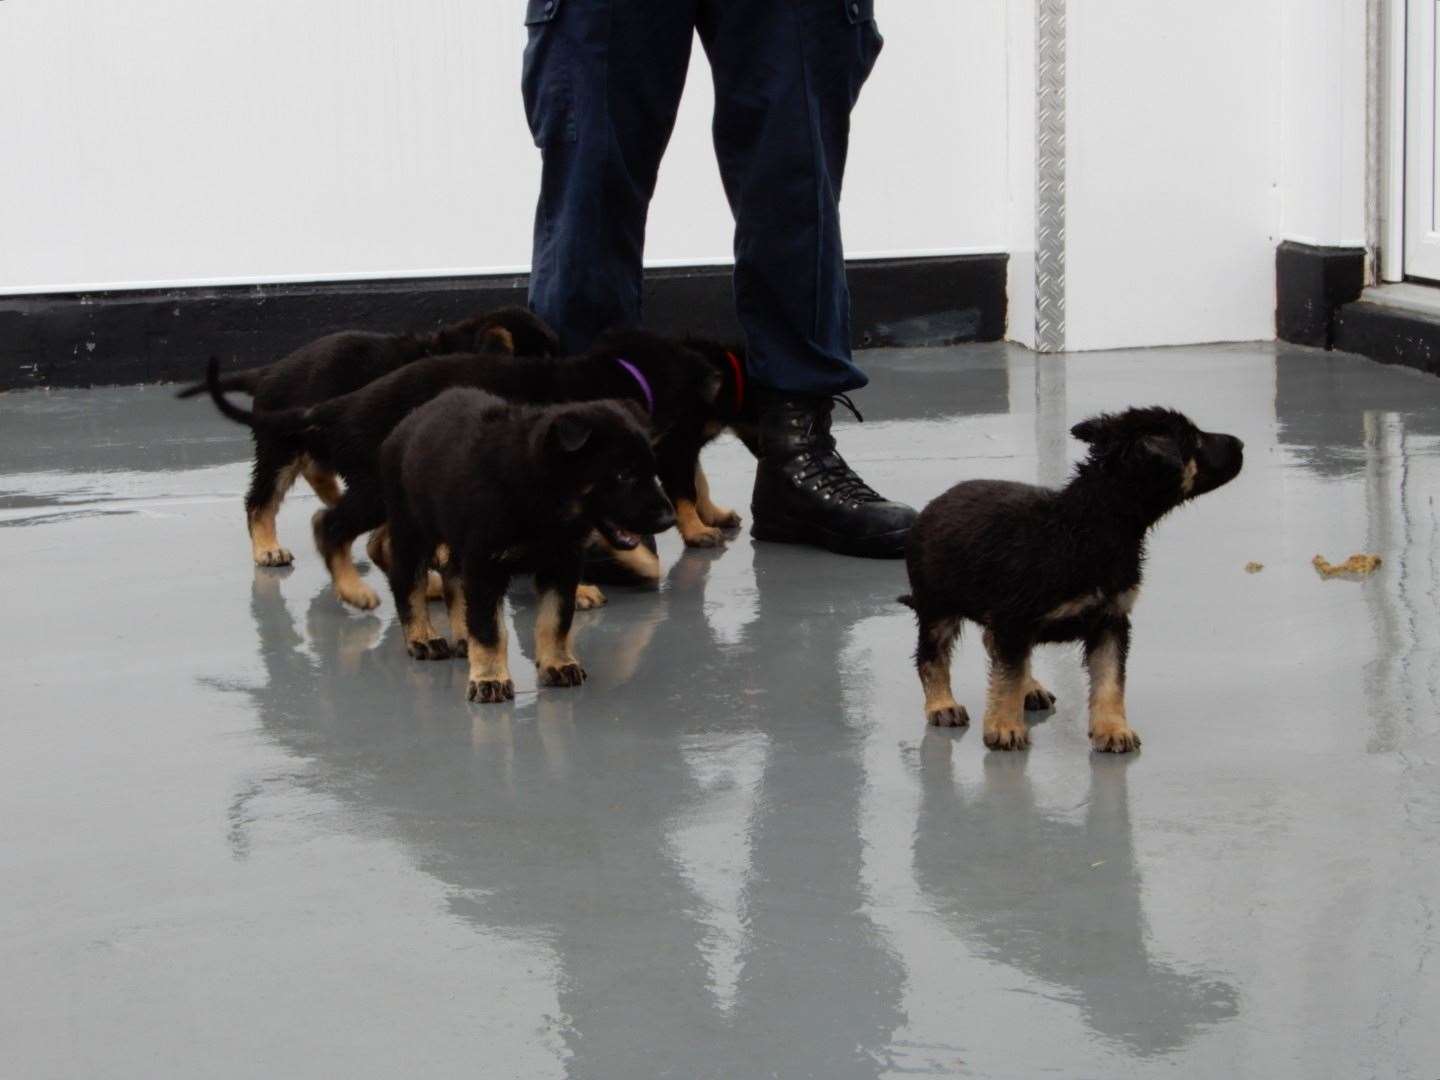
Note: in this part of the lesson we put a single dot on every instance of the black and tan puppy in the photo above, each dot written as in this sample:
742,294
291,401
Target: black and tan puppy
338,364
509,487
1031,565
689,392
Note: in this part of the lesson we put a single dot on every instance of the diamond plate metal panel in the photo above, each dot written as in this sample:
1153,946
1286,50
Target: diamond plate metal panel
1050,175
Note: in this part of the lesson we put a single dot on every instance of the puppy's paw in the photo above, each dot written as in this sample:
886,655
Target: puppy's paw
433,649
587,597
721,518
703,538
949,716
571,674
358,595
461,648
1039,699
1011,736
490,691
276,556
1115,740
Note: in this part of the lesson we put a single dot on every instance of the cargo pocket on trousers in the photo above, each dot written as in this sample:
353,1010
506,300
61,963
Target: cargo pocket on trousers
545,80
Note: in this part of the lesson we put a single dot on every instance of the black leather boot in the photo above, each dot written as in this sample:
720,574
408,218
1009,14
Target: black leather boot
805,493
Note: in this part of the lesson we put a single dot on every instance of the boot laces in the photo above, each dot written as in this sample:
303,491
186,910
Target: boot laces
825,471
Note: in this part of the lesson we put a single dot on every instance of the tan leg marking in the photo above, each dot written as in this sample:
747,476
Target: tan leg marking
378,548
420,636
454,591
440,559
264,543
553,659
587,597
1036,698
322,481
490,681
941,708
1109,729
346,579
1005,703
693,530
640,561
710,513
434,585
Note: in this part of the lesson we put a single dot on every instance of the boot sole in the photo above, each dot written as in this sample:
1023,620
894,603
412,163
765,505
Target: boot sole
889,545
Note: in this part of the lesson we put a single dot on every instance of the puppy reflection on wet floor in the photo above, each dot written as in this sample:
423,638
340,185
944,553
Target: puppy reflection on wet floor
1057,894
1032,566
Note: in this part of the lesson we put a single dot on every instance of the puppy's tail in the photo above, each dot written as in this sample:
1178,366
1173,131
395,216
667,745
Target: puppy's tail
907,600
283,422
245,382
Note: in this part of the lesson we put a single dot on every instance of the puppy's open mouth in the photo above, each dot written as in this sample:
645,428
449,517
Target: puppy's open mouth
618,538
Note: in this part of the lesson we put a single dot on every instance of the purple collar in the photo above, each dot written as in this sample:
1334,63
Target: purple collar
639,378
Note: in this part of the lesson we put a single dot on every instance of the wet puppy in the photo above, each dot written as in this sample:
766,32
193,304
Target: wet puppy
689,391
1031,565
501,488
338,364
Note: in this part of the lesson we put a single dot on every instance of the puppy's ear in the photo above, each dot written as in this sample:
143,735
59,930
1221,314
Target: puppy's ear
569,433
1094,430
1163,450
495,339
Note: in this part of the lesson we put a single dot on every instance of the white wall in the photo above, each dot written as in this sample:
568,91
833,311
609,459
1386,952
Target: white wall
192,141
1173,132
1198,137
1323,119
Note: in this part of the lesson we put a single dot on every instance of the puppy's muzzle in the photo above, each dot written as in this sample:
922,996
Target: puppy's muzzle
1220,460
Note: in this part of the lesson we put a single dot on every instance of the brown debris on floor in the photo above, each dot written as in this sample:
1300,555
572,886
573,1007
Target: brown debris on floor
1355,567
1254,567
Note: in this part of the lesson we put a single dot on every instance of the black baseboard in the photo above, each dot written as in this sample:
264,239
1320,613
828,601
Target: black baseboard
1311,283
1389,335
111,338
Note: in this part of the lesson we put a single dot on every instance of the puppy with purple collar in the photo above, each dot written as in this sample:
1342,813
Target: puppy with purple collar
1033,565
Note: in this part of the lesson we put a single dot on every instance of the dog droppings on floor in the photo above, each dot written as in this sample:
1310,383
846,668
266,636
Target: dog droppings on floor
1354,568
1254,567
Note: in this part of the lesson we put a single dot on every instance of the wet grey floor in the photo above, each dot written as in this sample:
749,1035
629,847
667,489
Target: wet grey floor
243,835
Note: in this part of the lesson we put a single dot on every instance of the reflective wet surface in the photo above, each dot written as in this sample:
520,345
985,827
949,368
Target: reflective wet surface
242,834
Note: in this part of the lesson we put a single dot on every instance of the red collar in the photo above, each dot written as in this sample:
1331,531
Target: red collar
739,370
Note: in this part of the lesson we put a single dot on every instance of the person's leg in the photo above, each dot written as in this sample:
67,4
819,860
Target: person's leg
787,73
602,83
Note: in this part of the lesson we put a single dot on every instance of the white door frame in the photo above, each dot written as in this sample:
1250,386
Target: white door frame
1392,164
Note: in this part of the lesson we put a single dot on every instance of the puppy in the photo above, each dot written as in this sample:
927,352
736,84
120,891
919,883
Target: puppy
1032,565
338,364
690,393
505,487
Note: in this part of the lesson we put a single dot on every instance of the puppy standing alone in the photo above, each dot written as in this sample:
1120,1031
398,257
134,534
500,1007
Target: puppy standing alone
508,487
1033,566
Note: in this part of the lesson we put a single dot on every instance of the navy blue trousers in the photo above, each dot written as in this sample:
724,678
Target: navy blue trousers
602,85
